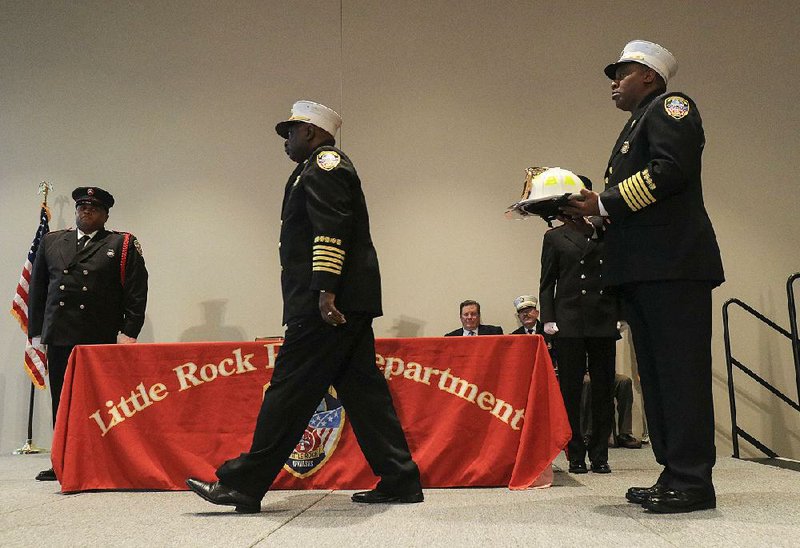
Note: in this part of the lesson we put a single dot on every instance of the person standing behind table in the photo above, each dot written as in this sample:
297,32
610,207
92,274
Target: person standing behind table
663,258
470,315
331,293
88,286
582,318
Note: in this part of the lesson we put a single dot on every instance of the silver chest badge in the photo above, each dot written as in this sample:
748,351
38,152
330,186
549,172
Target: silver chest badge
110,252
626,146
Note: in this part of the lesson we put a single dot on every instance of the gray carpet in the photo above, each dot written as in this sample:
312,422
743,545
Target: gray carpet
758,505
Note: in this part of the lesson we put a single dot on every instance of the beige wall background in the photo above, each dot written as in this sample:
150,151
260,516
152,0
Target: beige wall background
171,106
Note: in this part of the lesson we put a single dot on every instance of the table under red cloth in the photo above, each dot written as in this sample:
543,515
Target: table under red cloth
477,411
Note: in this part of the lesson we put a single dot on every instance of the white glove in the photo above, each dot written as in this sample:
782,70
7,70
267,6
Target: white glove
36,342
550,328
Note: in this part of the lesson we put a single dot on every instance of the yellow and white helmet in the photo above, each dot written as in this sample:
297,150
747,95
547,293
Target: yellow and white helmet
546,189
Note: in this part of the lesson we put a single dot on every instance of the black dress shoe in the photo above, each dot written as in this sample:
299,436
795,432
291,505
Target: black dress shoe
378,497
600,468
46,475
640,494
578,467
628,442
216,493
673,501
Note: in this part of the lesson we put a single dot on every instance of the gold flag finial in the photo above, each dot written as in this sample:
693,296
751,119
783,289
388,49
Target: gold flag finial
45,188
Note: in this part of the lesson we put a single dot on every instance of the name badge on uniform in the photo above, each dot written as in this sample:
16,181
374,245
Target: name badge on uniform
626,146
110,252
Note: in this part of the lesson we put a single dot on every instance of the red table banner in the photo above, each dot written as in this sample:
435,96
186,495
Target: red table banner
477,411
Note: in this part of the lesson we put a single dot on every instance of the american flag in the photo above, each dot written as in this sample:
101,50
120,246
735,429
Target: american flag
35,357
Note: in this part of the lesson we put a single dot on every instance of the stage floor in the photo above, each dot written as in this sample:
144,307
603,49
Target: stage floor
757,505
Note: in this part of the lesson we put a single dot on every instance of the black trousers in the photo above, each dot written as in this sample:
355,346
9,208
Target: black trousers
57,358
313,357
574,356
670,323
622,396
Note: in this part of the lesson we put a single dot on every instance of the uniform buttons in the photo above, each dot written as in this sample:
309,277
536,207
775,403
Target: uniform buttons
601,261
583,276
84,288
583,292
85,272
61,287
81,307
279,245
61,303
601,291
581,261
66,271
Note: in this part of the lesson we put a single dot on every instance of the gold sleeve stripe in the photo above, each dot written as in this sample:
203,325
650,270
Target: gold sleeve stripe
635,200
643,189
327,257
633,185
328,265
340,255
323,269
329,248
624,193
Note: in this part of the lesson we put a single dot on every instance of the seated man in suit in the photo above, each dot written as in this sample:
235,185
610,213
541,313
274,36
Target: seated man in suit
471,322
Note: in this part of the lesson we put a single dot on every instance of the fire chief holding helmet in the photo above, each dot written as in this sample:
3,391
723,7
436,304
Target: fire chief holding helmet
331,293
663,258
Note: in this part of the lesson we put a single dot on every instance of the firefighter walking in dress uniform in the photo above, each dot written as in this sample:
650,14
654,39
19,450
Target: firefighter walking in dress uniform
331,293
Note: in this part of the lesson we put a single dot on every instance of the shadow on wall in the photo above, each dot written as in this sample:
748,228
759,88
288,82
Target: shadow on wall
406,326
57,210
213,329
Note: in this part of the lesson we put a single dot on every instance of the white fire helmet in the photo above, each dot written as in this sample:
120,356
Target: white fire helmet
545,190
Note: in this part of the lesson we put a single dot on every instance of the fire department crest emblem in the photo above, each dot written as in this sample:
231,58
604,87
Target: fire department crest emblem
320,438
676,106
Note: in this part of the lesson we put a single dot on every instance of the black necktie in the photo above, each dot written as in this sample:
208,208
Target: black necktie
82,241
530,331
471,333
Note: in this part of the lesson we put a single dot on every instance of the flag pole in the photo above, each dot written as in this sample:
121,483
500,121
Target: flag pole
30,448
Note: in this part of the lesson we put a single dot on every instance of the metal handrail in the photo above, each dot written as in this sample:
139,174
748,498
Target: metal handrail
793,327
731,362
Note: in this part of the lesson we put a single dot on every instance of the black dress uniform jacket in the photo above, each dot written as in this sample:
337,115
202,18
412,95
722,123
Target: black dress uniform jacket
657,160
572,289
325,240
538,330
78,296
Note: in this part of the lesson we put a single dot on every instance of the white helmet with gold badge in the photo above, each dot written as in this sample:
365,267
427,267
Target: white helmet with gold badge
546,189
